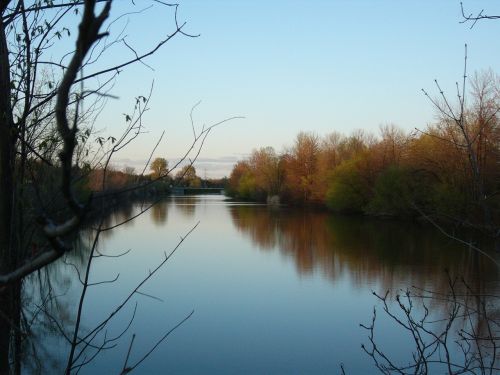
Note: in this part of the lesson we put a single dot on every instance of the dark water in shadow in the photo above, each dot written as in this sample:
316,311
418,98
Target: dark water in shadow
274,290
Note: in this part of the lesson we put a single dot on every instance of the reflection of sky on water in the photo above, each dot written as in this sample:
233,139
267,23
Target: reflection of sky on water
274,290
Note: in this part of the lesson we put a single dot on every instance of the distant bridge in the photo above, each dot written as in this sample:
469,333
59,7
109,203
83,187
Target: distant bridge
180,190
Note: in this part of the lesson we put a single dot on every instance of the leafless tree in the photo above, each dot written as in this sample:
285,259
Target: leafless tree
48,144
462,340
465,338
473,18
468,128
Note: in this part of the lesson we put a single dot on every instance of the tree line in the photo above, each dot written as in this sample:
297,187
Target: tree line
160,178
446,169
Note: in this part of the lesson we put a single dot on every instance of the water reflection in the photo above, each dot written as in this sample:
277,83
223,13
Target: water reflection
159,213
384,253
384,256
186,205
336,262
49,310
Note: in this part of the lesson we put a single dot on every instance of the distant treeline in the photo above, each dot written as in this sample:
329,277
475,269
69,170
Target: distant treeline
445,169
111,186
157,181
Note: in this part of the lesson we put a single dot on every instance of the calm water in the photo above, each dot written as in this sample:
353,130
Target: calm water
274,290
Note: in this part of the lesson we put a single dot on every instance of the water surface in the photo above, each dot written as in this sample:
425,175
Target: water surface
273,290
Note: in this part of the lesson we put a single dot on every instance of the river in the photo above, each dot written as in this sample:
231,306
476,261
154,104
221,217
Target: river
274,290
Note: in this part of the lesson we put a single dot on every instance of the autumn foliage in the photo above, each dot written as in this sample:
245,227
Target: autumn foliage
393,173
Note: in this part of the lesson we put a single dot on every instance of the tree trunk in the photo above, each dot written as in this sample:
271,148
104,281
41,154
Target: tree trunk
7,148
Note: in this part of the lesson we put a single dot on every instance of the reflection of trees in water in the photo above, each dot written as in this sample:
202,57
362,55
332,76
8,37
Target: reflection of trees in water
185,205
48,304
42,311
384,254
460,337
118,215
159,213
47,312
40,307
369,251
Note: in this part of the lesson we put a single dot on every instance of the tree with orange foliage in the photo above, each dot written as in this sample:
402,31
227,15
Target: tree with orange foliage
301,165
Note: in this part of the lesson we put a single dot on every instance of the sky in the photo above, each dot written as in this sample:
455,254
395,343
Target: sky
286,67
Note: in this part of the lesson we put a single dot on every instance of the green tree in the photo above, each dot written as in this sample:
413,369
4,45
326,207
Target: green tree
392,193
347,191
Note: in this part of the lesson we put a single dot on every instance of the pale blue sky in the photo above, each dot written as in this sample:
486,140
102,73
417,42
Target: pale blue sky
289,66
